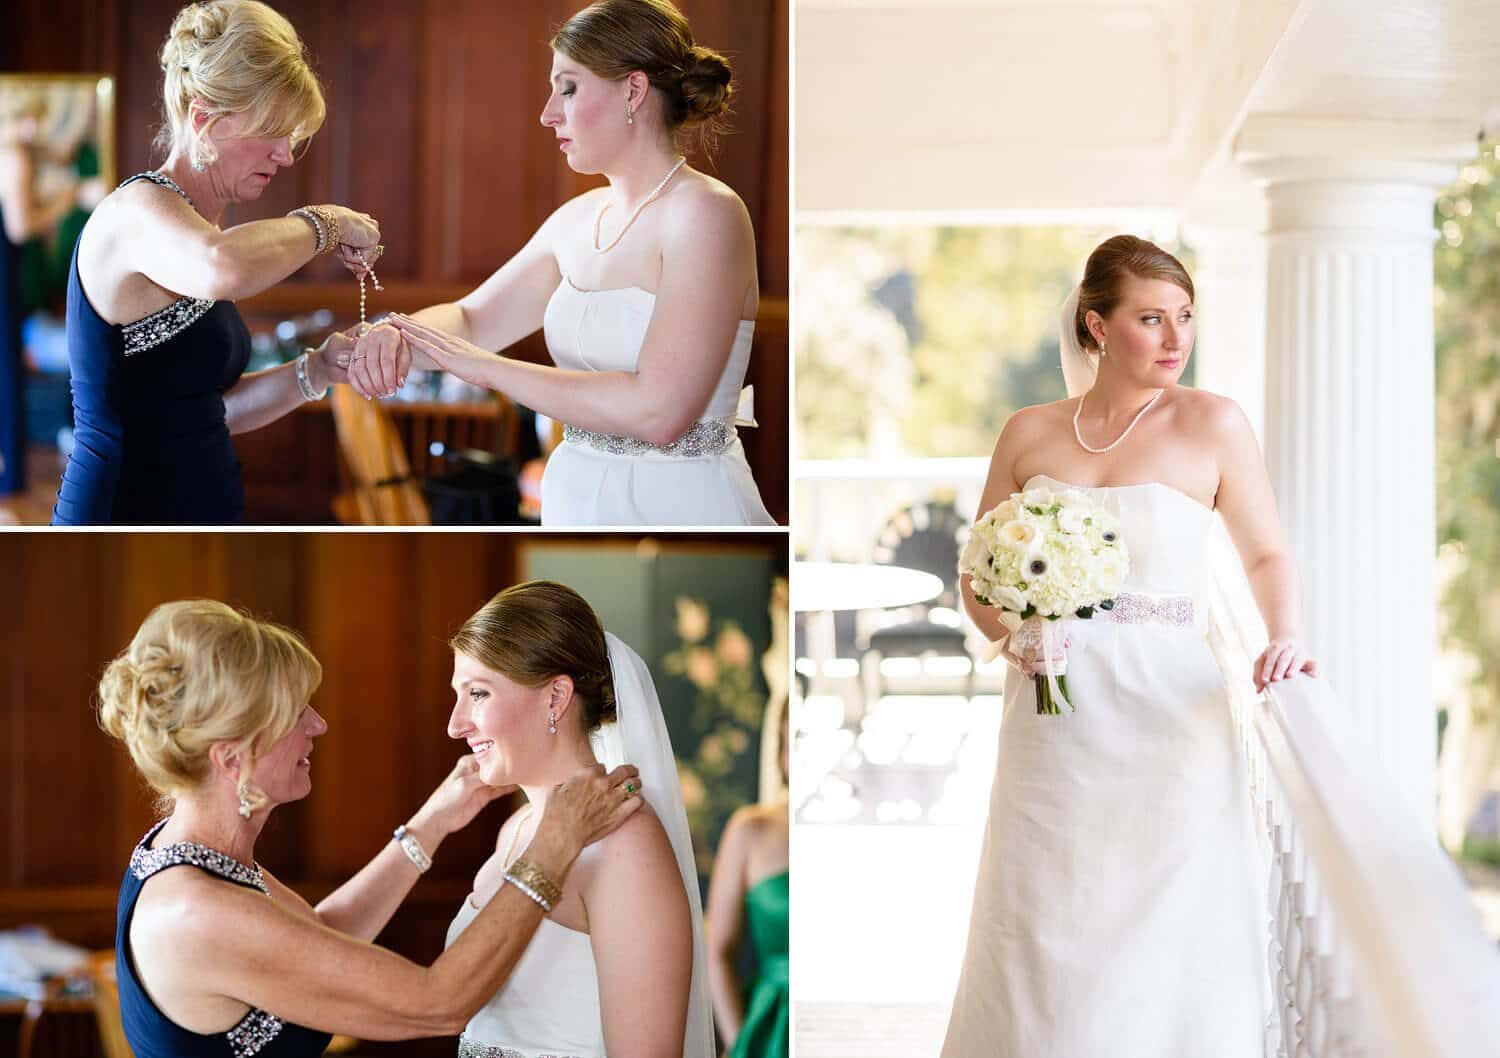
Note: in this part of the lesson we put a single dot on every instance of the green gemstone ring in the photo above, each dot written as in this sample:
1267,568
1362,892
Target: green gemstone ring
630,787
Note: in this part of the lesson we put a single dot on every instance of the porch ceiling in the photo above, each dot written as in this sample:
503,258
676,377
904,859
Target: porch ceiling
1082,104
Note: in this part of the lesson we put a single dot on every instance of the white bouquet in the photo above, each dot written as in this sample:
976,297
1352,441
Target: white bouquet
1039,557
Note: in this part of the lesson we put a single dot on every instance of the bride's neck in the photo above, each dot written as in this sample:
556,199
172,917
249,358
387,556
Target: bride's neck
639,170
562,764
1112,398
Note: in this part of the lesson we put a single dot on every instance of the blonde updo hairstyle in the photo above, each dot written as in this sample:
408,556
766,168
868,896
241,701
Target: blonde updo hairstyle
197,673
1104,278
533,632
236,57
614,38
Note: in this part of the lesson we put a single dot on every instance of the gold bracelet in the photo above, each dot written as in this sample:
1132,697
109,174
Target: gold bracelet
529,878
325,226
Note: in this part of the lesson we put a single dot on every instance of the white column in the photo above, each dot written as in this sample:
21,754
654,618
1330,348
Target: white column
1349,433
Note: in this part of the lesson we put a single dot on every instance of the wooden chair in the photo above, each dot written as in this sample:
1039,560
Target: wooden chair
107,1005
381,489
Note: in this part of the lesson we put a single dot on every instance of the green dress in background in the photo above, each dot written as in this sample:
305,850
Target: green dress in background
766,1031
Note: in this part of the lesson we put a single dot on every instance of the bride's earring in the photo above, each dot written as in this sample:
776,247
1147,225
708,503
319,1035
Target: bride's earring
195,159
629,115
244,803
552,722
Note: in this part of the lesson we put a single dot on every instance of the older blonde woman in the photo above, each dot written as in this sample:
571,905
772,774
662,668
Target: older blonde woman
224,958
156,347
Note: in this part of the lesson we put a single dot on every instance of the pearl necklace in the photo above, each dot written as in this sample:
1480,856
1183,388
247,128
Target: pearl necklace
1100,451
374,280
652,197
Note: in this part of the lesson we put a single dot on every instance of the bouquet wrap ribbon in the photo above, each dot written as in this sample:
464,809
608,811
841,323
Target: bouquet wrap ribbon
1040,632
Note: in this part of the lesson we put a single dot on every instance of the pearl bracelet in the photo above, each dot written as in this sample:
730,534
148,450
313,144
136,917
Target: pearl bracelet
304,381
413,849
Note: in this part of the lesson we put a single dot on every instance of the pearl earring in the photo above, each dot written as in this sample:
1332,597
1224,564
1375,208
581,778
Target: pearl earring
629,115
552,722
244,803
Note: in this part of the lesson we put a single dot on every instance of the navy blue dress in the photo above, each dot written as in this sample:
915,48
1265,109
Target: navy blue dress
150,1032
12,370
151,445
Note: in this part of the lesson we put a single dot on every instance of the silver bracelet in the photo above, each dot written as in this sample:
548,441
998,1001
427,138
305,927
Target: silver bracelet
413,849
304,383
541,901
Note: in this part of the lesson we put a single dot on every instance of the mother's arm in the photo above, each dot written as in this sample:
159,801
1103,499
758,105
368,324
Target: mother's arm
1248,505
708,264
236,944
166,240
641,931
363,905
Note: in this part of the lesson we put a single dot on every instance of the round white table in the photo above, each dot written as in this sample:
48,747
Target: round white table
829,586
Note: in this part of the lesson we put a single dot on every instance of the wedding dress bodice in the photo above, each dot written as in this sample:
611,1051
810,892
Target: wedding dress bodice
550,1003
604,330
1165,531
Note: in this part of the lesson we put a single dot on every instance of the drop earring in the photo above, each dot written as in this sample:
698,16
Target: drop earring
195,159
244,803
629,115
551,722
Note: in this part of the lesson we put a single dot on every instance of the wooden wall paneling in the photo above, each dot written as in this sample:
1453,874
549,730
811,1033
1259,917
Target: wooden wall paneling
64,760
354,596
775,232
87,44
12,684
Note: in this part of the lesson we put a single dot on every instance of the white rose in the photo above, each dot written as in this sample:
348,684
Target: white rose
1110,574
974,553
1011,620
1018,535
1006,511
1009,598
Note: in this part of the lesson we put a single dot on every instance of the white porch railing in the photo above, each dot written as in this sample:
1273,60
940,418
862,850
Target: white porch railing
1374,948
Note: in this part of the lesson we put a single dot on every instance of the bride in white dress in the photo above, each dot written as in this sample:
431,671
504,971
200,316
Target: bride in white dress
1117,912
646,290
618,965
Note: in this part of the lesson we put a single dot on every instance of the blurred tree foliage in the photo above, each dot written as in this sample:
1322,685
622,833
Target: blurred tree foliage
1467,293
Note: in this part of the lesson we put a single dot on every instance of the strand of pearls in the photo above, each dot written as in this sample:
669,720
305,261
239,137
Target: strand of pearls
1100,451
652,197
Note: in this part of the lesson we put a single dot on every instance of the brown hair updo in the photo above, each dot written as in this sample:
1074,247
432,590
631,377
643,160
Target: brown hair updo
534,631
614,38
238,57
1104,276
198,672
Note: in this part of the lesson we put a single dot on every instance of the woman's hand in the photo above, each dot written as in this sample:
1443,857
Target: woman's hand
378,365
358,231
458,799
446,352
592,804
1282,658
328,363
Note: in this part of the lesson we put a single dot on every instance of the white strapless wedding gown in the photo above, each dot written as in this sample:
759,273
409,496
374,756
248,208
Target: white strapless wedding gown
606,479
547,1008
1117,911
